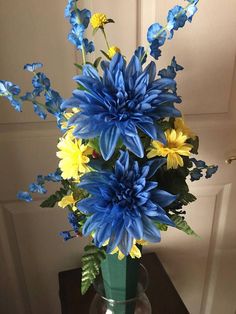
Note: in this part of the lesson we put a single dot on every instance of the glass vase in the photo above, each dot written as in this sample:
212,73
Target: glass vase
137,305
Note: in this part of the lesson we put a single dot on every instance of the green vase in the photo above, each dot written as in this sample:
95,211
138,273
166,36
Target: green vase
120,280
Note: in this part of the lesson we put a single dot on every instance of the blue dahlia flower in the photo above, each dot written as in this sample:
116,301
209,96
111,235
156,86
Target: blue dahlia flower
126,99
124,205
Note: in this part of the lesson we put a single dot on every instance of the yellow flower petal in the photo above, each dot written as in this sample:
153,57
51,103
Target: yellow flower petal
66,200
112,51
74,157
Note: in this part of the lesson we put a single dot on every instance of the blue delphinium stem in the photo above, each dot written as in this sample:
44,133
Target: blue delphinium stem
82,48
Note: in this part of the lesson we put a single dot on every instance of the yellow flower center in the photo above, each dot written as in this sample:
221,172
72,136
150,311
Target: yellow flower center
98,20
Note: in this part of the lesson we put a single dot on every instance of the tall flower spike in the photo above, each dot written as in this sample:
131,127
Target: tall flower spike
124,205
126,99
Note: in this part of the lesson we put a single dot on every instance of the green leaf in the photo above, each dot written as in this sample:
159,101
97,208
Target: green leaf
105,54
53,199
110,21
91,262
182,225
94,143
97,62
187,198
161,227
195,143
79,66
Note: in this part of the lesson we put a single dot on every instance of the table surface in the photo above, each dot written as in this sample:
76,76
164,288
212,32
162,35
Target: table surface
161,292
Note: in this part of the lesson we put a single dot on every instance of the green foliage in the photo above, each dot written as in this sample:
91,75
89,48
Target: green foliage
94,143
195,143
91,262
105,54
97,62
182,225
161,227
79,66
53,199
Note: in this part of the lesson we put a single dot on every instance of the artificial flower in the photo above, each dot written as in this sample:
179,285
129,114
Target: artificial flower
98,20
124,205
70,6
134,252
175,147
24,196
156,36
10,90
74,157
180,125
176,18
141,54
31,67
126,99
66,201
112,51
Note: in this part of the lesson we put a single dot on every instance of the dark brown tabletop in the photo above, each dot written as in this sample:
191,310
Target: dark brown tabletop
161,292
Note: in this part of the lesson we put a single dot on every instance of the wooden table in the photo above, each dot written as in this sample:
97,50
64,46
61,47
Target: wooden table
161,292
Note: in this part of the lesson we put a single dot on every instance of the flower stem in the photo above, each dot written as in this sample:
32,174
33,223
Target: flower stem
82,48
105,36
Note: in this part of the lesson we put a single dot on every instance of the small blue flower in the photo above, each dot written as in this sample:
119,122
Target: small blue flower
10,90
70,6
191,11
53,101
66,235
40,111
176,18
210,171
37,188
33,66
124,204
80,17
54,176
88,46
76,36
73,220
198,163
170,71
156,37
156,32
40,83
24,196
126,99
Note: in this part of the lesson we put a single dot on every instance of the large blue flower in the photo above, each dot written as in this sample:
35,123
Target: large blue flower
126,99
124,205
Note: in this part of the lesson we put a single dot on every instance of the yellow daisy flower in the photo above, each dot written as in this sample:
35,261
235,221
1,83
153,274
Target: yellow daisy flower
98,20
181,126
112,51
175,148
74,157
66,201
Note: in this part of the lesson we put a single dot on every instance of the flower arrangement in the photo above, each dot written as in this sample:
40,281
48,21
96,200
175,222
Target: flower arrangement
125,152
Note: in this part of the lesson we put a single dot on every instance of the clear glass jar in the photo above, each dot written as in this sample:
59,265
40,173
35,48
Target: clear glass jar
138,305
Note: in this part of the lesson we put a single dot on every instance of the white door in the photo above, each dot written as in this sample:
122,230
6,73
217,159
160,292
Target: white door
203,270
